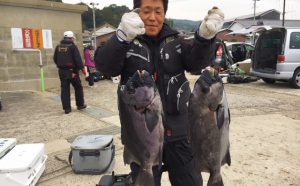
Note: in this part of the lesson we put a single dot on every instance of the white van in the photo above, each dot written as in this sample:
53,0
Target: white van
277,56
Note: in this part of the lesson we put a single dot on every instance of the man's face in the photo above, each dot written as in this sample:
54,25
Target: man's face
153,15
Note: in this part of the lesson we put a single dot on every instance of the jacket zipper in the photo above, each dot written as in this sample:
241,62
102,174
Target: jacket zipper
180,91
171,80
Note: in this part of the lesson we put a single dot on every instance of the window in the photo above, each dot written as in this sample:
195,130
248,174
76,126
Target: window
249,47
295,40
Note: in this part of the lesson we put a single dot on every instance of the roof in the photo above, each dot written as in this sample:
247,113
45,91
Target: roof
48,5
105,29
228,23
257,14
287,23
249,30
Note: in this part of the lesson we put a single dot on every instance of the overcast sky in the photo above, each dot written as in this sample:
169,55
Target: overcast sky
197,9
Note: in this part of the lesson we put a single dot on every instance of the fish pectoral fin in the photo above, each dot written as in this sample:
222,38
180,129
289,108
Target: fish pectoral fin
229,115
220,116
151,119
228,158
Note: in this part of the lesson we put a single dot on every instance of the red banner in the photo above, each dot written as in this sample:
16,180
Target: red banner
27,38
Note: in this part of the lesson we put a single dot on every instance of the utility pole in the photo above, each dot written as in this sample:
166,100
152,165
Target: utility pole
253,37
254,12
94,23
283,13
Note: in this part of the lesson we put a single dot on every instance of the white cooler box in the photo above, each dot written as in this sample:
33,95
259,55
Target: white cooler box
92,154
23,165
6,144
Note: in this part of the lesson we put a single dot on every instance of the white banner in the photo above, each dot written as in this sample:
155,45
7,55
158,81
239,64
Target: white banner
17,38
31,38
47,38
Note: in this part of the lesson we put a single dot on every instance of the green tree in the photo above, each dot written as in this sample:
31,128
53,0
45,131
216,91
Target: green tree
111,14
170,22
87,18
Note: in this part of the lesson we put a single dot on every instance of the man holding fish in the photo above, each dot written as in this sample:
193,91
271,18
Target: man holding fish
144,43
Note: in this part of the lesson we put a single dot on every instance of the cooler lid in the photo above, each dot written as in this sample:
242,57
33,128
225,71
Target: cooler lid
21,157
6,144
91,142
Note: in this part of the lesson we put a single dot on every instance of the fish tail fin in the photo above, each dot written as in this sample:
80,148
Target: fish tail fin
145,178
215,180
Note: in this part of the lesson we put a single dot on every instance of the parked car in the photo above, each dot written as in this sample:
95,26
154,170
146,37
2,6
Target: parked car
223,59
229,53
277,56
240,51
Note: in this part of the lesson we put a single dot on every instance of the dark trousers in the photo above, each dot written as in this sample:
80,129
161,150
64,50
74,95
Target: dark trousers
178,160
66,79
91,75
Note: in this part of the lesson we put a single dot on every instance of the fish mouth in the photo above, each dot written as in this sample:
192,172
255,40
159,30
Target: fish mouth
139,79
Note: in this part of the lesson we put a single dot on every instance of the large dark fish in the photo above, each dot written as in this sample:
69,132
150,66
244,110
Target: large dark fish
140,110
209,120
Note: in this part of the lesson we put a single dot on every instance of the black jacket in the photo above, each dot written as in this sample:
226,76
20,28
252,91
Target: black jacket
167,57
67,56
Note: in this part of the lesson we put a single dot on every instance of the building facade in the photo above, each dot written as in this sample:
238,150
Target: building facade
29,33
104,33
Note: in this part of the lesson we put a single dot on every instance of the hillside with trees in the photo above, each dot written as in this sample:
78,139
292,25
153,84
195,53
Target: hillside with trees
113,13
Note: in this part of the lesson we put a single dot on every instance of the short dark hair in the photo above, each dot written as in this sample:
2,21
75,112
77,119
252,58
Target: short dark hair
137,4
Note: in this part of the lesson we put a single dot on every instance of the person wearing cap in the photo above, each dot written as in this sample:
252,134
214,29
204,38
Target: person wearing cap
144,42
68,61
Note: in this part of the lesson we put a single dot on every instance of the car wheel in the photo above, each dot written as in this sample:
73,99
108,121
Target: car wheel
269,81
295,81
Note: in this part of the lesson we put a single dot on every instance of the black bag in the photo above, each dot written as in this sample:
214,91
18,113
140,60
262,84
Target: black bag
116,180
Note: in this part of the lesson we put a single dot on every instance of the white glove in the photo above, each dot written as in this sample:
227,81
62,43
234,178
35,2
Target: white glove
212,23
131,25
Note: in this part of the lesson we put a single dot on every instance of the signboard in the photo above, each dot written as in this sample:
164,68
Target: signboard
31,38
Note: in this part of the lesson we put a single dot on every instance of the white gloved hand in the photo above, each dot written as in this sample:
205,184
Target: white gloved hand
212,23
131,25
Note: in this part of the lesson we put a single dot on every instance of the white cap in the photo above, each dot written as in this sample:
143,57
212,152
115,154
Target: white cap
69,34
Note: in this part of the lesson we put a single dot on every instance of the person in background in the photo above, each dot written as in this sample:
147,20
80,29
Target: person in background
90,64
144,42
68,61
101,75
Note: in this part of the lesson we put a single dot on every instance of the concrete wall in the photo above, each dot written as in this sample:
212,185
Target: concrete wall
20,70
